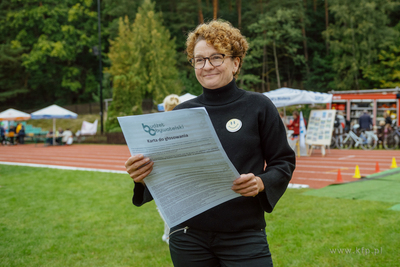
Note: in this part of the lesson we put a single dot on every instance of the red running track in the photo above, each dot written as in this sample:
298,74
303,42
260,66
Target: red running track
316,170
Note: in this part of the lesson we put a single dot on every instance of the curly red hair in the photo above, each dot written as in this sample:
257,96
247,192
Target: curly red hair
225,38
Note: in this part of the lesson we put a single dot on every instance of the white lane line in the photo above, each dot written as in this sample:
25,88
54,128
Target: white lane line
347,157
61,167
298,186
316,179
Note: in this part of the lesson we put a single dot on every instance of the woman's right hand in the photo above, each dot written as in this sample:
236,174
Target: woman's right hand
139,167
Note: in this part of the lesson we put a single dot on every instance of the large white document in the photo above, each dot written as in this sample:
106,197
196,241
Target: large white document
191,171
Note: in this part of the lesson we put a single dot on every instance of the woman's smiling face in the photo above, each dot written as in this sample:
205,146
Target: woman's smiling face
211,77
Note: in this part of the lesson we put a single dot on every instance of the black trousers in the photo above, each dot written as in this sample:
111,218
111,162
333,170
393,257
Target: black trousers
21,139
196,248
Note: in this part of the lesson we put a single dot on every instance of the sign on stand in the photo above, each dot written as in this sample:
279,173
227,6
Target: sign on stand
320,128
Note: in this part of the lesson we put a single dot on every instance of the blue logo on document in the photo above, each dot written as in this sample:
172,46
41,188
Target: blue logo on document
160,128
149,130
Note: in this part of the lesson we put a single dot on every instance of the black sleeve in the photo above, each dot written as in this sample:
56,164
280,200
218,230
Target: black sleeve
141,195
279,156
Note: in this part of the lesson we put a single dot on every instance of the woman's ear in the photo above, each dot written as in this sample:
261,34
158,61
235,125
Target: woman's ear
236,62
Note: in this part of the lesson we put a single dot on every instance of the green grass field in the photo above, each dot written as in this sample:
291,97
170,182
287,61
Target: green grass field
74,218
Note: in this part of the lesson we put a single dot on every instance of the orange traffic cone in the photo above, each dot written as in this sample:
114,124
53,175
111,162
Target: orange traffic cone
339,177
377,167
357,174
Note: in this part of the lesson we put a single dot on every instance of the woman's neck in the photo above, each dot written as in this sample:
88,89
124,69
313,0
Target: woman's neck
221,96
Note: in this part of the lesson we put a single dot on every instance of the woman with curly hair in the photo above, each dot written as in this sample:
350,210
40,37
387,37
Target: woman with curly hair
252,135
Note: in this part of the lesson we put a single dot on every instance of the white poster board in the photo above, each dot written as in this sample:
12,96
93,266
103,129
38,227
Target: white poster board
320,127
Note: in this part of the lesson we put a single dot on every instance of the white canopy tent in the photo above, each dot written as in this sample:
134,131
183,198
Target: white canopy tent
186,97
14,115
53,112
287,97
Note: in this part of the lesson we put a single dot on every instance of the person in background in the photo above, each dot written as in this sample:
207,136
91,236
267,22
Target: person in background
67,137
339,123
170,102
11,134
381,132
21,134
49,138
17,129
365,121
59,135
295,124
2,135
232,233
388,121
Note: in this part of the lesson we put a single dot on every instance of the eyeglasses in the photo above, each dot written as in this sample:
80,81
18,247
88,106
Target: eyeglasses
215,60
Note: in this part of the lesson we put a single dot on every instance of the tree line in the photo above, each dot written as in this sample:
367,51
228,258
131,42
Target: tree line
48,48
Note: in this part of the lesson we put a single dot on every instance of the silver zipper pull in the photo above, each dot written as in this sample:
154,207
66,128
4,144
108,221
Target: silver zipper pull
180,229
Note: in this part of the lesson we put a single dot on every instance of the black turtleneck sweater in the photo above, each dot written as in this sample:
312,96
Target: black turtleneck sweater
262,138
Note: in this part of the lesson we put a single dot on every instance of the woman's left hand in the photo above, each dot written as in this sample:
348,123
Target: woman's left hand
248,185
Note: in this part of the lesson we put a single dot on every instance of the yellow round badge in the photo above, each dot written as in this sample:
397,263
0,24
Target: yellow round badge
233,125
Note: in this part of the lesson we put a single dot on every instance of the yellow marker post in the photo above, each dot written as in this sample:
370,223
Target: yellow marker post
357,174
394,165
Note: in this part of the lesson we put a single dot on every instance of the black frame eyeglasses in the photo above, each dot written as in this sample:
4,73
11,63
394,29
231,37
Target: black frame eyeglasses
215,60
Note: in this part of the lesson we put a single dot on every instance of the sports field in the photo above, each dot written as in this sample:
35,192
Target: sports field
66,217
